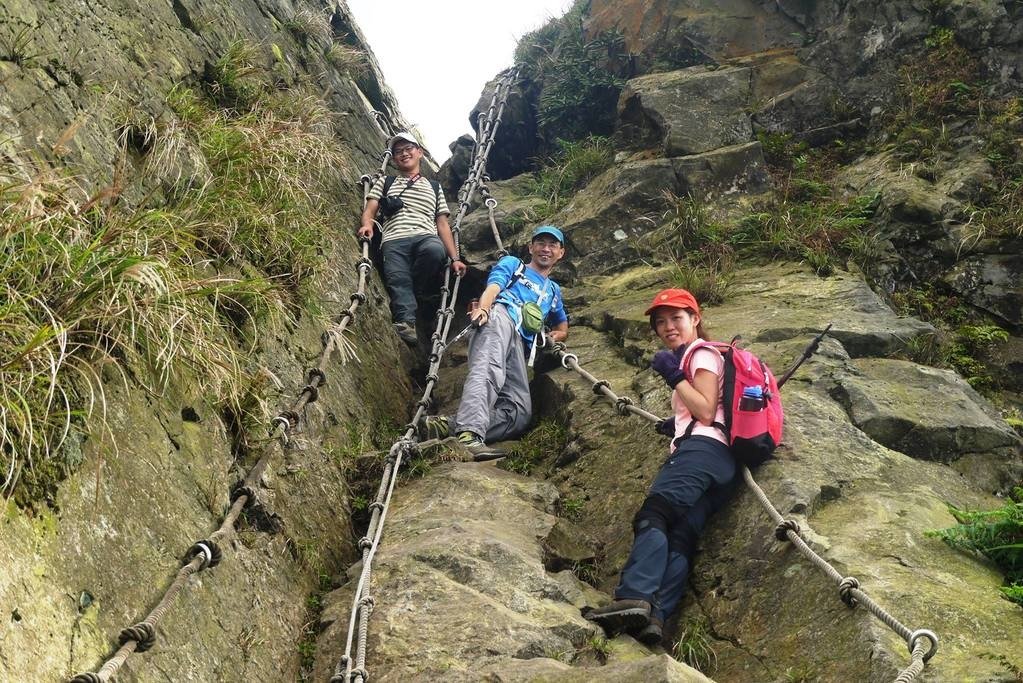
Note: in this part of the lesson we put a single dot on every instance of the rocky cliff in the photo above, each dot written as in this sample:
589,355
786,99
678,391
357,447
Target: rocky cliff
145,109
782,159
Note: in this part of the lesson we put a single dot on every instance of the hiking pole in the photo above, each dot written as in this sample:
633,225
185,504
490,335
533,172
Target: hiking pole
468,328
810,349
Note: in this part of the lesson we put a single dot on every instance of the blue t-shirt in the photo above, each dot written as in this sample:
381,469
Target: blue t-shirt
530,286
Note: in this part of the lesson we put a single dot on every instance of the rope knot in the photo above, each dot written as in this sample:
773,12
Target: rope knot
600,383
375,505
845,589
288,419
367,602
86,678
567,358
432,377
622,405
360,673
142,633
314,393
316,376
365,543
780,531
240,489
208,550
363,264
358,296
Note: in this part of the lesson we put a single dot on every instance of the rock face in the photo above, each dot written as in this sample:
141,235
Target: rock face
75,574
905,407
99,561
465,553
75,74
686,112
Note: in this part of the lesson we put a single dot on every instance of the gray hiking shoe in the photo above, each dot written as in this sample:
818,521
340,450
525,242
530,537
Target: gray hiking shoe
480,451
435,427
652,633
407,332
622,615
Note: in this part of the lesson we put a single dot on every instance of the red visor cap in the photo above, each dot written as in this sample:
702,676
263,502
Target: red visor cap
675,298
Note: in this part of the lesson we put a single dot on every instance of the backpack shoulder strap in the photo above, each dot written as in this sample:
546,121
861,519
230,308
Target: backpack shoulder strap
437,193
688,357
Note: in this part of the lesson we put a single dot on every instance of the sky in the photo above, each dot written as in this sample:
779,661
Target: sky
437,56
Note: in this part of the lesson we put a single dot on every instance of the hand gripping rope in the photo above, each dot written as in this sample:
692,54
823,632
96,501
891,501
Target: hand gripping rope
206,554
352,668
922,643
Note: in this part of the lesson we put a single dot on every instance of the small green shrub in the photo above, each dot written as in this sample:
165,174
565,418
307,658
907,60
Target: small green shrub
995,534
578,78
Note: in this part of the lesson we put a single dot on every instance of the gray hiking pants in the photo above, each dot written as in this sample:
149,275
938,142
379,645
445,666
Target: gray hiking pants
495,397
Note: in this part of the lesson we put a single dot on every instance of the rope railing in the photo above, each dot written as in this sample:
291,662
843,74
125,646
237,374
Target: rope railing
922,643
352,668
491,204
206,553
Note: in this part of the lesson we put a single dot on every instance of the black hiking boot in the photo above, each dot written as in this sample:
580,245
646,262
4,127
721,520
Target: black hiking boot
622,615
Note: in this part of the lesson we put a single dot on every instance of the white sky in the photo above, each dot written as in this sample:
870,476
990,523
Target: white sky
437,56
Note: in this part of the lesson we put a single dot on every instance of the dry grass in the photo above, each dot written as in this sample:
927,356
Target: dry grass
170,284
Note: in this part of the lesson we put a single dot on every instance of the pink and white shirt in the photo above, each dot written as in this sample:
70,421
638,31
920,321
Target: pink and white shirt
703,359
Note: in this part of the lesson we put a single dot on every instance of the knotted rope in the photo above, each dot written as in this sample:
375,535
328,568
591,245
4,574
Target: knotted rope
206,554
922,643
353,668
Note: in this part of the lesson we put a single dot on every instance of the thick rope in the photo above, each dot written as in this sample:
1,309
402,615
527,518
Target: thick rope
207,554
922,643
353,669
491,204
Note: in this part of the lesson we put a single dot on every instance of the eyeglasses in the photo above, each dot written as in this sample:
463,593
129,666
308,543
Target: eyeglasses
402,150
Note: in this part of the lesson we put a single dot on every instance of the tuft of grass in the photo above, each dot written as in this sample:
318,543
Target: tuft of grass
17,47
571,507
694,645
995,534
541,444
569,169
310,26
236,78
345,58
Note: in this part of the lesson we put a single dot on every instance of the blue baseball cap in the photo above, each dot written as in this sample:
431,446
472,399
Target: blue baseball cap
549,230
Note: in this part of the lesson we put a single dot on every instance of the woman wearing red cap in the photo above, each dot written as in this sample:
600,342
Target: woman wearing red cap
694,481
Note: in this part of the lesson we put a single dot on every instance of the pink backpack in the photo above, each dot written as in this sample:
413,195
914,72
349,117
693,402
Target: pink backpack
753,412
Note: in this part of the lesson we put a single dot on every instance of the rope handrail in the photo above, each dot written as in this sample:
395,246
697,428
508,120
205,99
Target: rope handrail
206,554
351,668
787,529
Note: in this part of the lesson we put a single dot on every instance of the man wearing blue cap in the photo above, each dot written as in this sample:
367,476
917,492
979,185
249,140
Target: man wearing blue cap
519,300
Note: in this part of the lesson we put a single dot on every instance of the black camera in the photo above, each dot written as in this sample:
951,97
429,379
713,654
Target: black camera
390,206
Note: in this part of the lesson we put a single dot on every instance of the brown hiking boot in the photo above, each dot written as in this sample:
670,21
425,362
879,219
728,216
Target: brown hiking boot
622,615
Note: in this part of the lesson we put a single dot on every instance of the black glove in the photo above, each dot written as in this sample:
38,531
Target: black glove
665,427
666,364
